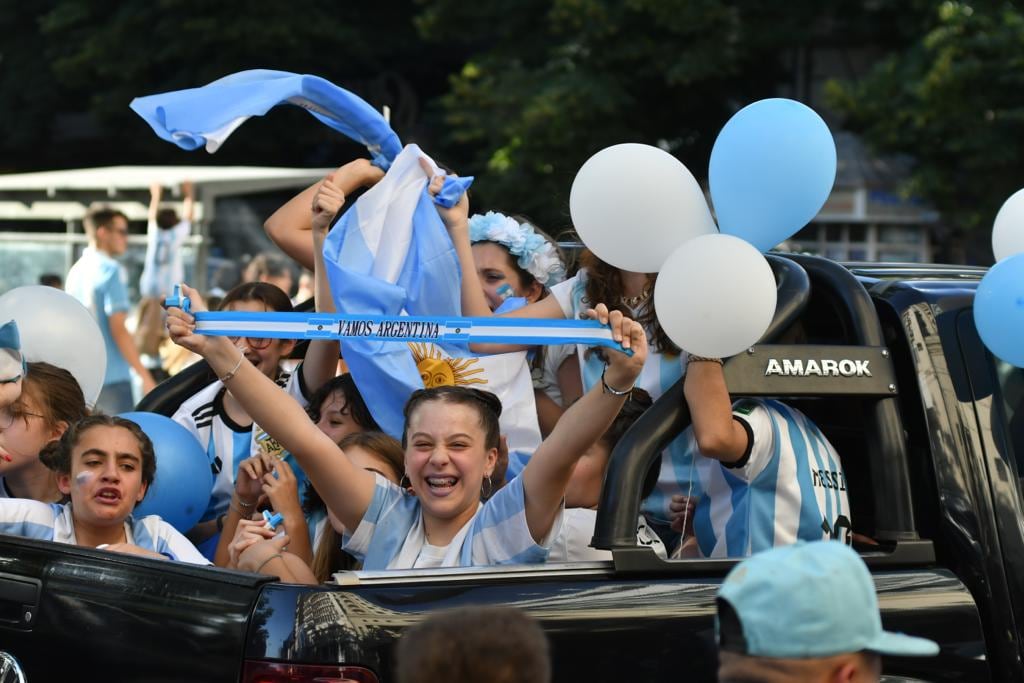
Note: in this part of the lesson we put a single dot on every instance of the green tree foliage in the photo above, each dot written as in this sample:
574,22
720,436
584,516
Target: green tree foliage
72,67
952,101
556,80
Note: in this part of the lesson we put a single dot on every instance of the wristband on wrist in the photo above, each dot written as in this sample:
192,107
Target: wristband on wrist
704,359
608,389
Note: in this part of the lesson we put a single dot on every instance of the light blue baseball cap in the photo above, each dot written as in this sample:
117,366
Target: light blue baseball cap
806,600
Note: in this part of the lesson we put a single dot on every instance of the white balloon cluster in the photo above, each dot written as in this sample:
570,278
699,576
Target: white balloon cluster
640,209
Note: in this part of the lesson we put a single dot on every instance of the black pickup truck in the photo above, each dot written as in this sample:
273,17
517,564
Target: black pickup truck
885,358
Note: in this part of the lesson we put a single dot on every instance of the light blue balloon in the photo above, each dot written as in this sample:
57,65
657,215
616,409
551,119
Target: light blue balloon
181,490
999,309
772,168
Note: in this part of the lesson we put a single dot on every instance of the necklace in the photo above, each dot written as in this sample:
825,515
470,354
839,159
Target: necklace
634,301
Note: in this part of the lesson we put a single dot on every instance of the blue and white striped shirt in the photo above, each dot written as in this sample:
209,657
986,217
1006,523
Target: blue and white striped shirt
791,488
54,522
391,536
659,373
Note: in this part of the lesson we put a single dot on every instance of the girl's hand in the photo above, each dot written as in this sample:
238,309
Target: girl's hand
248,533
327,202
283,489
249,483
681,510
456,219
181,325
361,172
256,555
622,369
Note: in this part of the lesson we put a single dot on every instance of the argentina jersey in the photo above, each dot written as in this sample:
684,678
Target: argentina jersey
226,443
791,488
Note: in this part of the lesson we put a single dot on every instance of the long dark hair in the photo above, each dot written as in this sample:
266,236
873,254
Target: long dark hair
604,285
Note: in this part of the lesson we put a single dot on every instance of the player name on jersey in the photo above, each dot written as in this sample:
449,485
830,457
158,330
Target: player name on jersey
798,367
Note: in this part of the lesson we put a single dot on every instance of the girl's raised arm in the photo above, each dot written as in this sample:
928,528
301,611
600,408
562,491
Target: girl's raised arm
547,474
347,490
289,226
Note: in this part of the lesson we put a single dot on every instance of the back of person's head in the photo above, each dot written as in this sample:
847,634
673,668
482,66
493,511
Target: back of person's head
167,218
486,404
60,459
806,605
385,447
51,280
474,645
354,403
59,397
272,268
272,298
101,217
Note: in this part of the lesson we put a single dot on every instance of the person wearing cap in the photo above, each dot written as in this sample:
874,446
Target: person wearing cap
805,612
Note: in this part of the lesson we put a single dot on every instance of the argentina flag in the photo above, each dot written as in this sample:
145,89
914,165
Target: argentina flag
390,254
206,116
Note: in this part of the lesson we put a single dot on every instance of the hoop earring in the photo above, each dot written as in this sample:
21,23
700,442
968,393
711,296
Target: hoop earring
490,488
405,482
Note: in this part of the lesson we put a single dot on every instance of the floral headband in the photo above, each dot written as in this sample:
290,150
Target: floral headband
536,255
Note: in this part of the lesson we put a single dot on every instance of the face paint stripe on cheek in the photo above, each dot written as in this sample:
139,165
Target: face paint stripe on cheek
84,478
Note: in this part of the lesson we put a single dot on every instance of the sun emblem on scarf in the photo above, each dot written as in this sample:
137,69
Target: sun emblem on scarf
436,370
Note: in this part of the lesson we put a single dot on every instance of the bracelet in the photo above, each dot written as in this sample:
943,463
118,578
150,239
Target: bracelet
242,502
225,378
264,562
611,390
704,359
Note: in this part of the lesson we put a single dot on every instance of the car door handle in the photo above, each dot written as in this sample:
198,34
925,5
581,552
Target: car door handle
19,598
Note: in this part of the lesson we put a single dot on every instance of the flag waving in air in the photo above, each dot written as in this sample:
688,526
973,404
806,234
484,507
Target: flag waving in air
206,116
389,255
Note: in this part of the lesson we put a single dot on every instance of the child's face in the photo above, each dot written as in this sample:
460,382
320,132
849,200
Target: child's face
265,354
335,420
446,458
105,482
495,268
24,431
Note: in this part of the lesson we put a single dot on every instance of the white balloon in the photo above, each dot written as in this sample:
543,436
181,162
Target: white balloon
633,204
715,295
56,328
1008,230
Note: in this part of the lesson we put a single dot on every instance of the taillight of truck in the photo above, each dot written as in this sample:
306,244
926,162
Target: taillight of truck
278,672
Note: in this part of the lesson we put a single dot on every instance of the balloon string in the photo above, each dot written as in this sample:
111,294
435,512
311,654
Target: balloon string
678,553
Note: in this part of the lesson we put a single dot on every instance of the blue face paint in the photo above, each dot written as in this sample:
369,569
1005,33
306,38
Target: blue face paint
505,291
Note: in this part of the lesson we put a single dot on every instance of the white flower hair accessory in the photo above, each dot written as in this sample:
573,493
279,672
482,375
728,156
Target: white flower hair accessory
535,254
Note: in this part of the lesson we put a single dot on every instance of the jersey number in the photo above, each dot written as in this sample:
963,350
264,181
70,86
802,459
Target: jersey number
835,530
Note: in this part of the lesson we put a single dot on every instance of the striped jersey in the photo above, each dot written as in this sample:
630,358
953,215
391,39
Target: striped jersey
227,443
163,266
660,372
391,535
54,522
792,486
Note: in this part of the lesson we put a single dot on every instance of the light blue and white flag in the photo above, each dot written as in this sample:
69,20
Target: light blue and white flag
389,255
207,115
